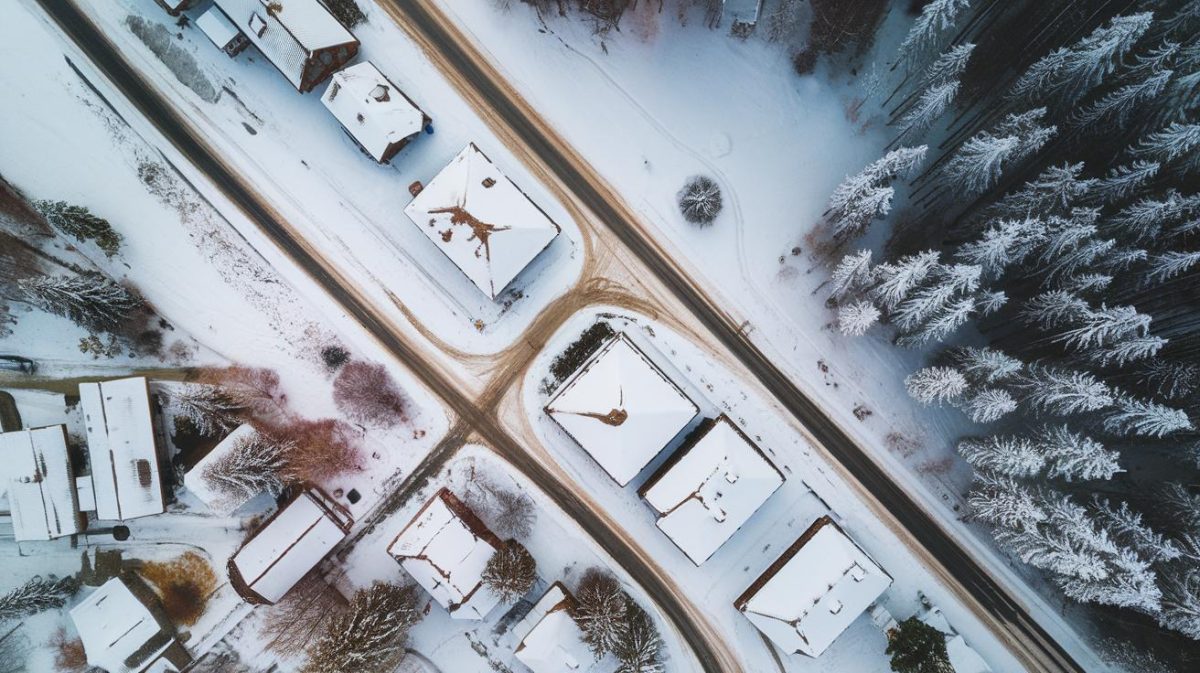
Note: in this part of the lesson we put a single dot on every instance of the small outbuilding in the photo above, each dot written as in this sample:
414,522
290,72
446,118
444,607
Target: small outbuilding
219,29
814,591
482,221
124,631
621,408
552,641
710,487
299,37
290,544
122,451
446,548
375,113
36,473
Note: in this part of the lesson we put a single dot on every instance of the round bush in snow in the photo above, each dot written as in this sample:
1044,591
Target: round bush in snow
700,200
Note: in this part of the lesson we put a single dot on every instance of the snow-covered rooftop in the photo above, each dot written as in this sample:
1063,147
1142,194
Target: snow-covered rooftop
119,633
553,641
481,220
196,482
291,543
741,11
289,32
219,28
446,548
35,471
621,408
375,112
814,590
963,659
121,448
708,489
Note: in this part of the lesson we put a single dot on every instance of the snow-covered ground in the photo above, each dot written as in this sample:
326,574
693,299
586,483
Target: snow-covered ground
811,490
649,108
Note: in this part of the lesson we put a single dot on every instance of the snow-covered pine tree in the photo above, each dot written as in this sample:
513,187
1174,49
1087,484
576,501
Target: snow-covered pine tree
1127,349
1066,74
700,200
371,634
1102,326
639,649
1054,551
933,385
35,595
1167,265
1127,527
1054,308
1129,583
944,321
852,274
946,283
990,301
253,464
1053,192
978,163
1181,506
1001,501
1006,243
1125,180
1173,142
211,409
1169,379
1147,218
896,281
1144,418
1113,110
1180,608
989,405
929,106
1016,457
1072,456
80,224
1084,283
950,65
855,318
601,610
986,365
862,197
88,299
1064,392
925,36
511,572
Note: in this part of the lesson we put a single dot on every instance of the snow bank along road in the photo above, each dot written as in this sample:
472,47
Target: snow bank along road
481,84
708,648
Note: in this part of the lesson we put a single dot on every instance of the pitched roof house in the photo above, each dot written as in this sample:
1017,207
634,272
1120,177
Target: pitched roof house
198,483
446,548
813,592
300,37
552,640
963,658
124,631
710,487
291,543
374,112
126,478
621,408
36,473
481,220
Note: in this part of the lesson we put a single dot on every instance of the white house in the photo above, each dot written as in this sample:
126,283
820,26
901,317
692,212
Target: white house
36,473
288,546
123,631
374,112
813,592
198,483
552,641
445,548
710,487
219,29
126,478
963,658
621,408
300,37
481,220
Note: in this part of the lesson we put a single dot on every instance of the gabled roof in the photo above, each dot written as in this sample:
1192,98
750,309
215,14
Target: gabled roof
288,546
553,641
813,592
621,408
710,488
35,470
963,659
445,548
122,449
374,111
197,482
217,26
481,220
291,31
119,632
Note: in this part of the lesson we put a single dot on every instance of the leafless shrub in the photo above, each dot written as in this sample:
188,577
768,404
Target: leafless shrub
291,624
366,393
69,656
320,449
183,585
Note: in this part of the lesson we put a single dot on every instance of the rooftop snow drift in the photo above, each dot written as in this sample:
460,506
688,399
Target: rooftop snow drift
35,471
553,641
121,449
375,112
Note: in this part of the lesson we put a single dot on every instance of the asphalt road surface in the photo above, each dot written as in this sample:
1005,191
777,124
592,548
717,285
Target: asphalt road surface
708,649
454,49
